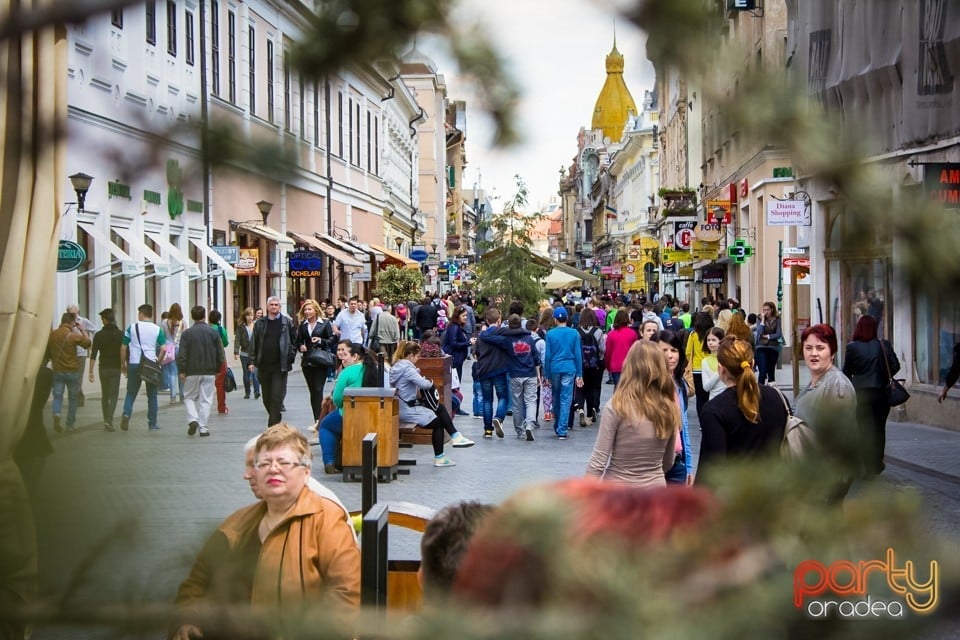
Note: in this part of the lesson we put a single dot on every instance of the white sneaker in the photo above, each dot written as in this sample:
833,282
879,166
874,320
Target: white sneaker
444,462
460,441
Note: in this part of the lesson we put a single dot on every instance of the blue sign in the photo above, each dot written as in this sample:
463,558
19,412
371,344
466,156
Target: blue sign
70,256
420,255
305,264
230,254
452,268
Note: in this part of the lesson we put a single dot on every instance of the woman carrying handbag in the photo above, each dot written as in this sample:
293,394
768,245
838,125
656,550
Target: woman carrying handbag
870,364
315,341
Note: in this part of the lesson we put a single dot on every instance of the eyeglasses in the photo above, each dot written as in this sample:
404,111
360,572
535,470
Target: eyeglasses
283,465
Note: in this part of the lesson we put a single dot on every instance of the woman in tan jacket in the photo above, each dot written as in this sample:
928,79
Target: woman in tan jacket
290,552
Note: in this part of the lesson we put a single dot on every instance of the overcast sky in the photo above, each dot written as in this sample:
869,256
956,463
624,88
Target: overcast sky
557,51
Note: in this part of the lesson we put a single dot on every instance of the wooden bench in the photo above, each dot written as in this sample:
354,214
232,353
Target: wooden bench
387,584
438,371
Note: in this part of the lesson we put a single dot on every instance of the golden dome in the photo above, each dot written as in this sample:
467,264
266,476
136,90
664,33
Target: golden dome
614,104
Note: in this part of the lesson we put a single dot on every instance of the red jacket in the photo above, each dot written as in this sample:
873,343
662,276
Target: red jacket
619,342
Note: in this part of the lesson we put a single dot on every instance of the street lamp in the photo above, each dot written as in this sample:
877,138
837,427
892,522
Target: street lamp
264,208
81,184
399,241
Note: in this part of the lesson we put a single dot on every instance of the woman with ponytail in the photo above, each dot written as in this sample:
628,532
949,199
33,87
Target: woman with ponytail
747,419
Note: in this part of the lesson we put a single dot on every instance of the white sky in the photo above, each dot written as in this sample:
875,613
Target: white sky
557,51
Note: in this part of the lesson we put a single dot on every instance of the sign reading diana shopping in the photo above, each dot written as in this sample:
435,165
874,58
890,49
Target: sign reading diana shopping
784,213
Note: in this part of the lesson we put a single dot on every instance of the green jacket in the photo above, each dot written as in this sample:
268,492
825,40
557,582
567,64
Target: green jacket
352,376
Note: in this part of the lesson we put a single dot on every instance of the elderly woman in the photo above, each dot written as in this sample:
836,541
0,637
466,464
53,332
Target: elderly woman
292,549
408,381
828,404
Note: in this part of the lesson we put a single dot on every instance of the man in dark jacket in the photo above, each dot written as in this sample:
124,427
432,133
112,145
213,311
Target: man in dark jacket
524,370
491,371
426,316
106,345
272,352
199,361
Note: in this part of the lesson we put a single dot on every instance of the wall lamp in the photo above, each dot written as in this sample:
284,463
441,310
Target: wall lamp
81,185
264,207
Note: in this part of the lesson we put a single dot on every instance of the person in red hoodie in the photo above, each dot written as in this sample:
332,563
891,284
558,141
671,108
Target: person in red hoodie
619,342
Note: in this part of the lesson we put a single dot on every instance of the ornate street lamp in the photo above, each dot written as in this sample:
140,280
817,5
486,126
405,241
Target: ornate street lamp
81,184
264,208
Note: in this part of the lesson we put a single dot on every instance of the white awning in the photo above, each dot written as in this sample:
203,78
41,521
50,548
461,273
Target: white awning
160,266
266,232
344,258
229,272
191,267
104,241
362,255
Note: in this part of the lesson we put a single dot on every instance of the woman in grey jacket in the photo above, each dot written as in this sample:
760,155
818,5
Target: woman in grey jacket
407,380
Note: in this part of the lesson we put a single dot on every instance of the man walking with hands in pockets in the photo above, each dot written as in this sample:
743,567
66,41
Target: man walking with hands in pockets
199,361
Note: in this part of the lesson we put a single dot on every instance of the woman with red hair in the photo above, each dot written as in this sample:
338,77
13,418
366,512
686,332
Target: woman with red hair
524,556
869,363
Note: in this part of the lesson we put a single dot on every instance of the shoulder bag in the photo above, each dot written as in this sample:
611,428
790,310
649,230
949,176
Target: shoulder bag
319,357
374,338
149,369
896,394
799,440
429,398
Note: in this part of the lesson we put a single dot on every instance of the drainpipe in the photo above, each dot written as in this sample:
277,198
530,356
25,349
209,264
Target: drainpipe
204,125
328,154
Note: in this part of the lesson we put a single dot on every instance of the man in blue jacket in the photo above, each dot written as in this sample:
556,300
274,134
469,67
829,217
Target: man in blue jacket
491,371
524,370
563,367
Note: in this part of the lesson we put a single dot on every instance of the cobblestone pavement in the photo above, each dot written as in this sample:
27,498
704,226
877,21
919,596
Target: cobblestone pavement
121,515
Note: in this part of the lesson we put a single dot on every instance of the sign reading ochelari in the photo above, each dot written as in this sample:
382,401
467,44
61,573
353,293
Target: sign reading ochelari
849,589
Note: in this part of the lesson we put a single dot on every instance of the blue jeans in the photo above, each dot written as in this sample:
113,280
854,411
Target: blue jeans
171,378
331,430
497,383
615,376
250,377
71,381
133,388
562,386
477,398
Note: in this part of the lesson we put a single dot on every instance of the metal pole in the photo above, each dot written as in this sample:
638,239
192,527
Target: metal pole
780,296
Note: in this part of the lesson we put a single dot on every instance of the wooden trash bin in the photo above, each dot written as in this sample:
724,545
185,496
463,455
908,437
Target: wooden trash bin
370,410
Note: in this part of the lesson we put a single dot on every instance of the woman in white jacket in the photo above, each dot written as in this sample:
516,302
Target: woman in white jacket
408,381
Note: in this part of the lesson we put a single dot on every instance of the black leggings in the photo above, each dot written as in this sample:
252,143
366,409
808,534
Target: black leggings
443,422
316,378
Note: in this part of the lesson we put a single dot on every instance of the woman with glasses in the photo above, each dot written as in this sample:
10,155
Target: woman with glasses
292,549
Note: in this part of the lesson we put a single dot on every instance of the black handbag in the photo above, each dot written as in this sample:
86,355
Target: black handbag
150,371
374,340
430,398
319,357
896,394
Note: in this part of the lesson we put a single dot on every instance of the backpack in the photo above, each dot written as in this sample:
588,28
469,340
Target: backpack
799,440
589,349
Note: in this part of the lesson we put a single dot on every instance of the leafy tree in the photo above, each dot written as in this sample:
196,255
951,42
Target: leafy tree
396,285
508,269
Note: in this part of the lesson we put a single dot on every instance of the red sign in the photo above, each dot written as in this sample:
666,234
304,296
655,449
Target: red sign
744,188
796,262
733,193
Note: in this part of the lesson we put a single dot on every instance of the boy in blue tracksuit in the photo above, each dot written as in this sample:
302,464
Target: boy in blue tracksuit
524,369
491,370
563,367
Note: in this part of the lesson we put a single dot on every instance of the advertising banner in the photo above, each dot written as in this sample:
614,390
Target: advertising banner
248,264
784,213
305,264
941,182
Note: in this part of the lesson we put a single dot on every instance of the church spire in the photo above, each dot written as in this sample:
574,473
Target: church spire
614,104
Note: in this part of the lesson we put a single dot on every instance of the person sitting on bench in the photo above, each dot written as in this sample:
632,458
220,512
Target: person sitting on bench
408,381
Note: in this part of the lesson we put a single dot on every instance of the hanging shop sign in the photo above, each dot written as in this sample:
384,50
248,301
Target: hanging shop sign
683,234
719,211
739,251
941,181
70,256
305,264
675,255
248,264
230,254
785,213
713,275
709,231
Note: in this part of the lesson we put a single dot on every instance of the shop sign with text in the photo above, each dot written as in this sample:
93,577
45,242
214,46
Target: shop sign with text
248,264
941,181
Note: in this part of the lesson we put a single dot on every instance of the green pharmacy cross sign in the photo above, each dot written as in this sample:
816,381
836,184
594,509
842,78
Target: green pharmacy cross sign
740,251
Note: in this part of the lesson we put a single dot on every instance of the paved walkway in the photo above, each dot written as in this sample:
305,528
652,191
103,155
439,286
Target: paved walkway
132,508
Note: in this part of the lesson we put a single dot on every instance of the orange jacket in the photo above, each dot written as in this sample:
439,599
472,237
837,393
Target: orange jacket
62,347
309,562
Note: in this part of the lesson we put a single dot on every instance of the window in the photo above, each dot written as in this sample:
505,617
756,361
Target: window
350,128
188,34
215,47
369,141
232,55
270,80
303,115
316,113
358,134
116,19
151,9
171,27
252,38
287,114
340,122
376,145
